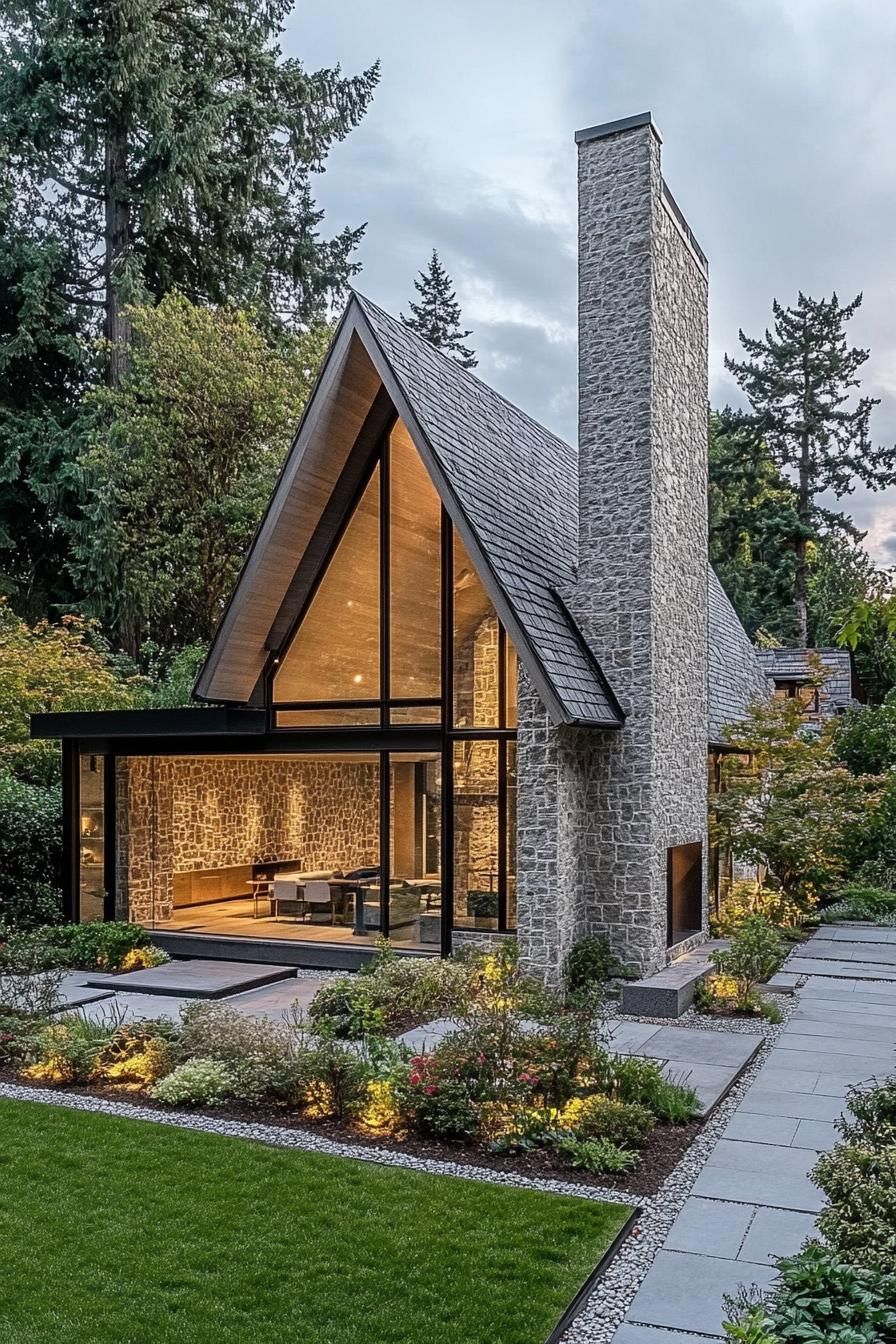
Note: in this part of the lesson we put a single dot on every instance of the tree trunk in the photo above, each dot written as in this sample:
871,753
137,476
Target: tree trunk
117,239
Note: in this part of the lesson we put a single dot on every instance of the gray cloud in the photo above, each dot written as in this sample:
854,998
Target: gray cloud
777,120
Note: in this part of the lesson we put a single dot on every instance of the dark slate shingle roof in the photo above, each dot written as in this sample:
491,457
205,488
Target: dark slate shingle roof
736,675
793,665
516,484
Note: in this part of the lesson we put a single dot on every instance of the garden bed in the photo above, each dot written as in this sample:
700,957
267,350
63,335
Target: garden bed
658,1156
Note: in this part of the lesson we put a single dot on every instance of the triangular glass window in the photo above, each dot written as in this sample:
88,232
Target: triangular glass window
335,654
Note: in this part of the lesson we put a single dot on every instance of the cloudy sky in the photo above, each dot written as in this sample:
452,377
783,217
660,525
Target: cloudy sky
778,123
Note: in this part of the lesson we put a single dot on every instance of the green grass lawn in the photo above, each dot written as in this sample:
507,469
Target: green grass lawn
117,1231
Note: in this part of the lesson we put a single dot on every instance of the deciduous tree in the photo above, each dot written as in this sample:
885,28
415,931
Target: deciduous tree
182,458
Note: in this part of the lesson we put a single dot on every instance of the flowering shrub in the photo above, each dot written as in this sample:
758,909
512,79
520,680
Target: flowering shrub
332,1080
392,994
625,1123
140,958
197,1082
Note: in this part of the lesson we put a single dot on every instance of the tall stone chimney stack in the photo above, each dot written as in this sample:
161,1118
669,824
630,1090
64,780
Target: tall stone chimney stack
641,594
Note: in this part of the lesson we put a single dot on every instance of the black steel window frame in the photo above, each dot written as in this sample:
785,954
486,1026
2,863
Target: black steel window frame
72,756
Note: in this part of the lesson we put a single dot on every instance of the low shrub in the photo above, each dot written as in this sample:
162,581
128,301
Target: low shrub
746,898
625,1123
820,1299
873,1110
674,1103
643,1083
756,952
592,964
860,902
141,958
859,1221
719,995
331,1080
444,1110
138,1054
18,1038
68,1051
95,946
30,979
392,994
196,1082
595,1155
263,1057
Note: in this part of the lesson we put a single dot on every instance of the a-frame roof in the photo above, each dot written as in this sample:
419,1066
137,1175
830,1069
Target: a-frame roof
508,484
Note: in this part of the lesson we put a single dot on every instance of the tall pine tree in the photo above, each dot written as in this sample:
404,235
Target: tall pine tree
173,146
800,379
437,315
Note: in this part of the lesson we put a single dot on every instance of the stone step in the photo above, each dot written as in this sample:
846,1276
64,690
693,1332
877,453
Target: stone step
670,992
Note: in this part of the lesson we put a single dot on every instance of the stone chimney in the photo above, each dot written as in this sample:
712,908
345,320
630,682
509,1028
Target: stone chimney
641,594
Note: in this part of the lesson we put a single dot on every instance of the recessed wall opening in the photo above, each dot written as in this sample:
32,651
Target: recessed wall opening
684,892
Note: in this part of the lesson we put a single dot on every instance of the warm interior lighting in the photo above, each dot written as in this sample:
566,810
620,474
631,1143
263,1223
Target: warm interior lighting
357,678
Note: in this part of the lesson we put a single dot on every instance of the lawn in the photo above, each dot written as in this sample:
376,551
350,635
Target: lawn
118,1231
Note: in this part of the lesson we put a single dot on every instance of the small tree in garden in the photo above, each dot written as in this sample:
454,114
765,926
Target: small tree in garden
789,805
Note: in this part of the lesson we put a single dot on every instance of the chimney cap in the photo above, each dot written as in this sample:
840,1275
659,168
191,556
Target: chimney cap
623,124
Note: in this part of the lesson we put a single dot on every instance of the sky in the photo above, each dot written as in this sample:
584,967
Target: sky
777,119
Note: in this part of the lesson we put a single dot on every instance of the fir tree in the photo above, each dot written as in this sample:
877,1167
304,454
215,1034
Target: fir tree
437,316
799,380
173,147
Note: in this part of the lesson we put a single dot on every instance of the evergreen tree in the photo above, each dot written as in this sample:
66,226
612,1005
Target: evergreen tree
753,526
42,373
437,316
799,379
173,146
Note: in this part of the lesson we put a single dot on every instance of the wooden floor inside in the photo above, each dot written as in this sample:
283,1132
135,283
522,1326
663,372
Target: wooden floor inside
236,919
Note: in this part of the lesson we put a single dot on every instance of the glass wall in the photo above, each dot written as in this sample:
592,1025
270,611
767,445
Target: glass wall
415,575
92,838
415,849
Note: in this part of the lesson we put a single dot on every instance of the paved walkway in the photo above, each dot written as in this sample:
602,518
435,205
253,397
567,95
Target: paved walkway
754,1200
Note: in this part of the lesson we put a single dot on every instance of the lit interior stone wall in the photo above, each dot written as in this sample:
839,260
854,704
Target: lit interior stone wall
189,814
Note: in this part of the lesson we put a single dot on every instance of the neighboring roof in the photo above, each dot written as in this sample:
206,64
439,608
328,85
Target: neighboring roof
508,484
793,665
736,675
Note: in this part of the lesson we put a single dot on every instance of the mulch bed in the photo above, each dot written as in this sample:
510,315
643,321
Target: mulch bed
658,1157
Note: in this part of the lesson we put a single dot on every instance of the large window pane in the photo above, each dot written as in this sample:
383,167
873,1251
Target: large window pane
415,849
92,831
335,654
475,647
415,513
476,836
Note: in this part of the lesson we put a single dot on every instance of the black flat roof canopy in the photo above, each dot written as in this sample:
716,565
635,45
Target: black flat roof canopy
220,721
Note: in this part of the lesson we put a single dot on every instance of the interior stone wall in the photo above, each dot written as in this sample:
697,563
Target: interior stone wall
186,814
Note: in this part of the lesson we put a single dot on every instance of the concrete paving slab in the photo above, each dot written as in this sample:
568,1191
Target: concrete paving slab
726,1049
627,1038
819,1135
427,1037
710,1081
710,1227
831,1065
686,1292
803,965
776,1232
837,1087
80,996
135,1008
793,1038
648,1334
877,954
856,1028
785,1080
755,1128
797,1105
195,979
850,933
766,1158
276,1001
753,1187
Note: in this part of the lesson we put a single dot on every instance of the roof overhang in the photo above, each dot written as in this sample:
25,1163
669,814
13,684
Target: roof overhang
223,721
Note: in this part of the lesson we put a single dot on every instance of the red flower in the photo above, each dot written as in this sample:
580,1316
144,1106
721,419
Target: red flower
431,1091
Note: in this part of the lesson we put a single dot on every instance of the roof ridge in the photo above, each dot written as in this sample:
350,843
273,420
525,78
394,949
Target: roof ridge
414,335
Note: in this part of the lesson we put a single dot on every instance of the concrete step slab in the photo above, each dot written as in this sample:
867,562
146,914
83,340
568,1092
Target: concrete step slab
710,1227
764,1158
194,979
775,1232
793,1105
754,1187
725,1048
819,1135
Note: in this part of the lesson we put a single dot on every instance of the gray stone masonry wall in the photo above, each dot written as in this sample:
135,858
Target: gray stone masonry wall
621,799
